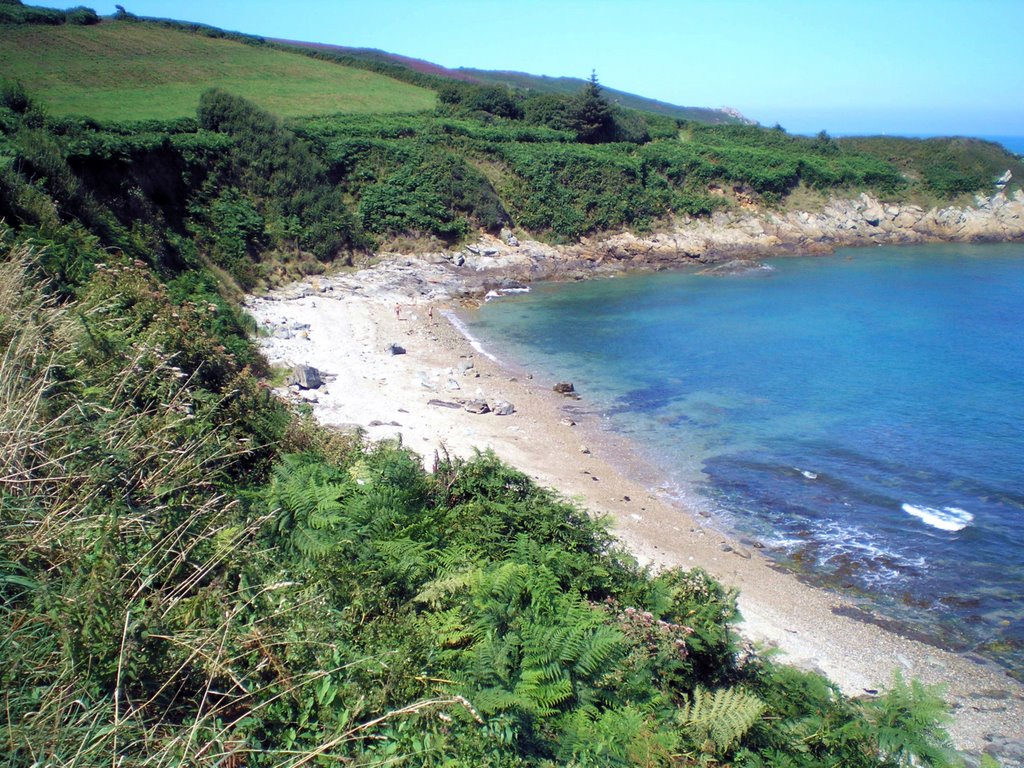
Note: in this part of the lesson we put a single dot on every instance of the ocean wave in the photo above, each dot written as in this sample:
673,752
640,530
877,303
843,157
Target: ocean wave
844,548
499,292
945,519
474,342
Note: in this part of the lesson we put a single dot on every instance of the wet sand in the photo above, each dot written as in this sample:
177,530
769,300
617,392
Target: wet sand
343,327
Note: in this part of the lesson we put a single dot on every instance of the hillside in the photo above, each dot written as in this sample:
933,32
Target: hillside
129,70
124,69
535,84
566,86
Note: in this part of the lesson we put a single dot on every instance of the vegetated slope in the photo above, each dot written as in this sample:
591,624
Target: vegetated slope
572,85
947,166
382,57
130,70
534,84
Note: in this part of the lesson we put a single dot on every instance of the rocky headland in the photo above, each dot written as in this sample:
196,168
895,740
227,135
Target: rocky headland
726,241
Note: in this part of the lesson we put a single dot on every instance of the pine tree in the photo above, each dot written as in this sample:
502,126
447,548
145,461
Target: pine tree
592,114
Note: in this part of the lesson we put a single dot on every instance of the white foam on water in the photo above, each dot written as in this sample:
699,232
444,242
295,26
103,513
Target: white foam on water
497,294
473,341
945,519
877,564
807,473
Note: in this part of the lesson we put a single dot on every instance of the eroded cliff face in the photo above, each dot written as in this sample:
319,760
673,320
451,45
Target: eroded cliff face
734,237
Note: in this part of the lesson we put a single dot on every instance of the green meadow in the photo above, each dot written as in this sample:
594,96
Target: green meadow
131,71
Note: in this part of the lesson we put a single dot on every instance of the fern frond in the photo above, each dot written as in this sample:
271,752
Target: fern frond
542,690
719,719
434,593
404,556
602,646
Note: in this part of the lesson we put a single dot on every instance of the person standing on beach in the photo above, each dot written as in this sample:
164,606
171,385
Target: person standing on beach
430,314
398,311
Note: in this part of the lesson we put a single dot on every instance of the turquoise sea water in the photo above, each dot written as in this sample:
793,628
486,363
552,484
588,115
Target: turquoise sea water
861,415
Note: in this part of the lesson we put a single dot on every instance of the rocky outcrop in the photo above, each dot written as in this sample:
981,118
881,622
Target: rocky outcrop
862,221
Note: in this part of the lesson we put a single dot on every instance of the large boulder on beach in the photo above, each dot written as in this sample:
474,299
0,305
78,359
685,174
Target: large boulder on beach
305,377
503,408
564,388
394,349
477,406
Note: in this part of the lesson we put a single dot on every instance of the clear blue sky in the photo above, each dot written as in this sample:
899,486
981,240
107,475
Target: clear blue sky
847,66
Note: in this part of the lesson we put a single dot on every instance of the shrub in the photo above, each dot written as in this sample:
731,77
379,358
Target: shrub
81,15
441,196
282,174
14,96
550,110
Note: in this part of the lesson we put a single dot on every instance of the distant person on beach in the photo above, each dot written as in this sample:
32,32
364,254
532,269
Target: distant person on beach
398,311
430,314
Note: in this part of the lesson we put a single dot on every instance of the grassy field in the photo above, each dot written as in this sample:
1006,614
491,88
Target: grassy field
131,71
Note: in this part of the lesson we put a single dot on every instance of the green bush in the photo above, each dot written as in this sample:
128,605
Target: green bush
81,15
14,96
442,196
282,174
570,189
16,13
550,110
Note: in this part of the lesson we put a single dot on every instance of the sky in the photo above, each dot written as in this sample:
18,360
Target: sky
912,67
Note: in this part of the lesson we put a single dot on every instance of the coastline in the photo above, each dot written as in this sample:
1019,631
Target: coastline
343,326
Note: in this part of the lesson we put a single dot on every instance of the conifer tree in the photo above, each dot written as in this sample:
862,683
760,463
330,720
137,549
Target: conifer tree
592,114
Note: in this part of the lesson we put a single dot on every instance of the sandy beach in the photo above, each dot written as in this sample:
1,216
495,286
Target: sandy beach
345,327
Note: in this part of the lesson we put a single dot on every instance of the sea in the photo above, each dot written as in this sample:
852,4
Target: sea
859,415
1014,144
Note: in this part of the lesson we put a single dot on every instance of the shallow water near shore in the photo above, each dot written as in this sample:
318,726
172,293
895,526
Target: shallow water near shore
861,415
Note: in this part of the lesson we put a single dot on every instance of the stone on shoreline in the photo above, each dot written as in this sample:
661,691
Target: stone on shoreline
305,377
503,408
